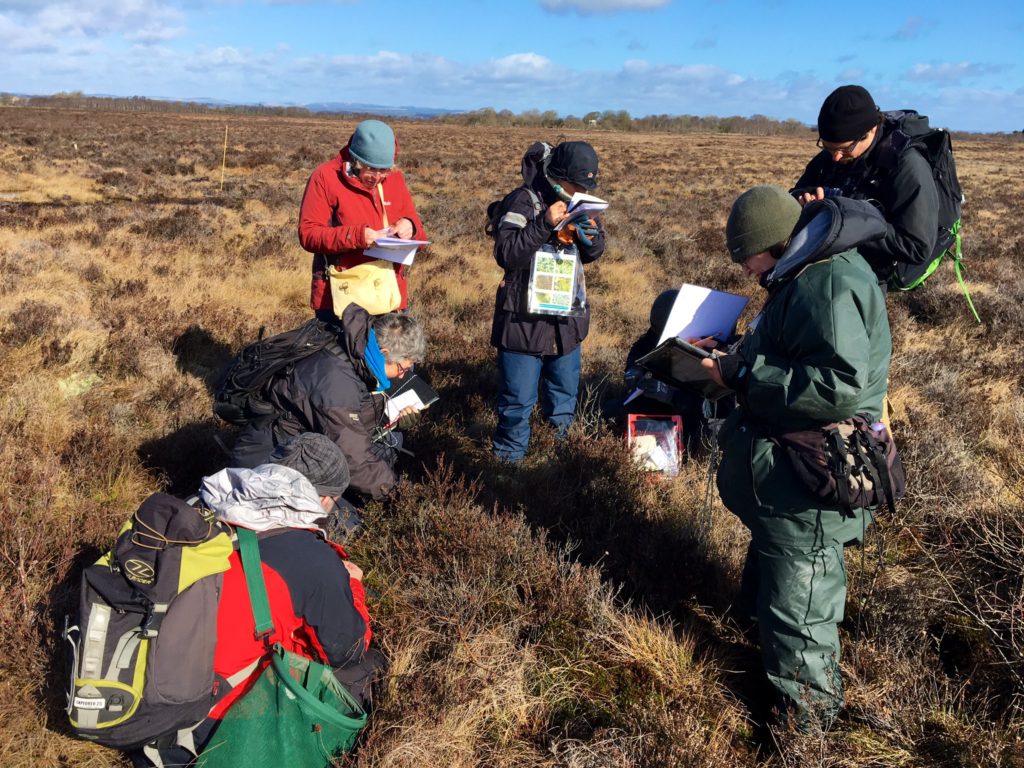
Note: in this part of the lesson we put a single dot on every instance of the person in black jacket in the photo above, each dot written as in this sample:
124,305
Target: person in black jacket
339,392
532,346
858,159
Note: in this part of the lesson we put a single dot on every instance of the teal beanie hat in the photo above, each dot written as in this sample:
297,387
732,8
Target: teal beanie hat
760,218
373,144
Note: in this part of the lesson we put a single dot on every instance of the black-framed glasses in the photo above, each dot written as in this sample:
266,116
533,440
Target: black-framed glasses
402,370
845,151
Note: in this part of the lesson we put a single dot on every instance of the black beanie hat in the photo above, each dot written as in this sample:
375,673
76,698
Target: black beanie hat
574,161
848,113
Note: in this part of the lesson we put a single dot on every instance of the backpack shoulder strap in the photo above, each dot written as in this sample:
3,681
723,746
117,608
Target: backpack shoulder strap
249,551
538,206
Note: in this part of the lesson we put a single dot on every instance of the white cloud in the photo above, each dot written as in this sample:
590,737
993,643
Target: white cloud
913,27
519,67
520,81
58,21
590,7
17,38
950,73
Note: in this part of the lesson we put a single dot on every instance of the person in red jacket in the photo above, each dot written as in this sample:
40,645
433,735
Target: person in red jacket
349,203
316,596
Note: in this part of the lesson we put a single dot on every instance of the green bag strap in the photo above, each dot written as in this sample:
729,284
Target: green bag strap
249,550
958,267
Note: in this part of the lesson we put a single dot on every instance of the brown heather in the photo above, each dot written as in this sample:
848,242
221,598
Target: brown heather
569,612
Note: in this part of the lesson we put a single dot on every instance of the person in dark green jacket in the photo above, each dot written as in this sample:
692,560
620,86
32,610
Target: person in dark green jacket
817,353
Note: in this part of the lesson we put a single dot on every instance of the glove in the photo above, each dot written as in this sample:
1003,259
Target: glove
409,421
586,231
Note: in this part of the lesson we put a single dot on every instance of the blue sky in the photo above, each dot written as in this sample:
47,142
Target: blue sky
956,62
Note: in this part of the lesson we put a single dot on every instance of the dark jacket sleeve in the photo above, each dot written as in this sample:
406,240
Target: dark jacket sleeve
318,583
812,175
595,250
519,232
912,212
324,394
352,431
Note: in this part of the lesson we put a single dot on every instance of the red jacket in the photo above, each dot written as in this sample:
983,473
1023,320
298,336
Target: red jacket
336,209
318,610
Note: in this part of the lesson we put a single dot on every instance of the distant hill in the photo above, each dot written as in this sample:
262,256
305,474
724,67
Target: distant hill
377,109
333,107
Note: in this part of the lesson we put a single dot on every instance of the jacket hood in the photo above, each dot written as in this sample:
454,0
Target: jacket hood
264,498
355,324
534,169
825,228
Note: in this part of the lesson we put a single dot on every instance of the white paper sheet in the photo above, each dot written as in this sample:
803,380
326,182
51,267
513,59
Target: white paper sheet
701,312
579,206
395,249
396,404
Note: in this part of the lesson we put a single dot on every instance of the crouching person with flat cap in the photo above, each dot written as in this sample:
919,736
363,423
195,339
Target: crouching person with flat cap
818,353
315,593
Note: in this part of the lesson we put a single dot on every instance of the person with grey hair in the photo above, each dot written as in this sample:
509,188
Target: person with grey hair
340,391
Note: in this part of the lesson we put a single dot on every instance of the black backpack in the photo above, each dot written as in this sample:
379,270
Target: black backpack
906,129
237,398
534,161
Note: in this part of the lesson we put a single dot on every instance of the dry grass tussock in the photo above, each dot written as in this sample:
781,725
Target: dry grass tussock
565,612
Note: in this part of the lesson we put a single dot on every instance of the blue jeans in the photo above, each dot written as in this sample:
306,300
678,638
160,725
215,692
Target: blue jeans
520,377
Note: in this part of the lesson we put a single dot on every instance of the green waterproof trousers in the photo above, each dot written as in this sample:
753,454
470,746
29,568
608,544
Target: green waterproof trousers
794,579
797,578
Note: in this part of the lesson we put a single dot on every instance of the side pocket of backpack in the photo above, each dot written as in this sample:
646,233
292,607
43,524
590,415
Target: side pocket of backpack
181,656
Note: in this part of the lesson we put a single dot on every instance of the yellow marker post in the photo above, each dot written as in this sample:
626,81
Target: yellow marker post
224,161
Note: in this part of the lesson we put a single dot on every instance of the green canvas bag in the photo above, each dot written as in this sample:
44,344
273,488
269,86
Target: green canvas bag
296,713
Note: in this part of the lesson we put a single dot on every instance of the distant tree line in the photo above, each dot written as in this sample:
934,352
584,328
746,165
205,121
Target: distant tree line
620,120
78,100
608,120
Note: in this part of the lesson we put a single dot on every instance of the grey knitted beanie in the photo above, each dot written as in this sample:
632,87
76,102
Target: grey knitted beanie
760,218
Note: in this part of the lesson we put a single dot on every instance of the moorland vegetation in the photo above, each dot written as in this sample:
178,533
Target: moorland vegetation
568,612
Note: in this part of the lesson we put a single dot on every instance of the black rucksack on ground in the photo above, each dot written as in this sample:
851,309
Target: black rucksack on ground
237,396
906,129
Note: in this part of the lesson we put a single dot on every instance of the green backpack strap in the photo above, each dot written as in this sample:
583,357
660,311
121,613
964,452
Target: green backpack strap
249,549
958,266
